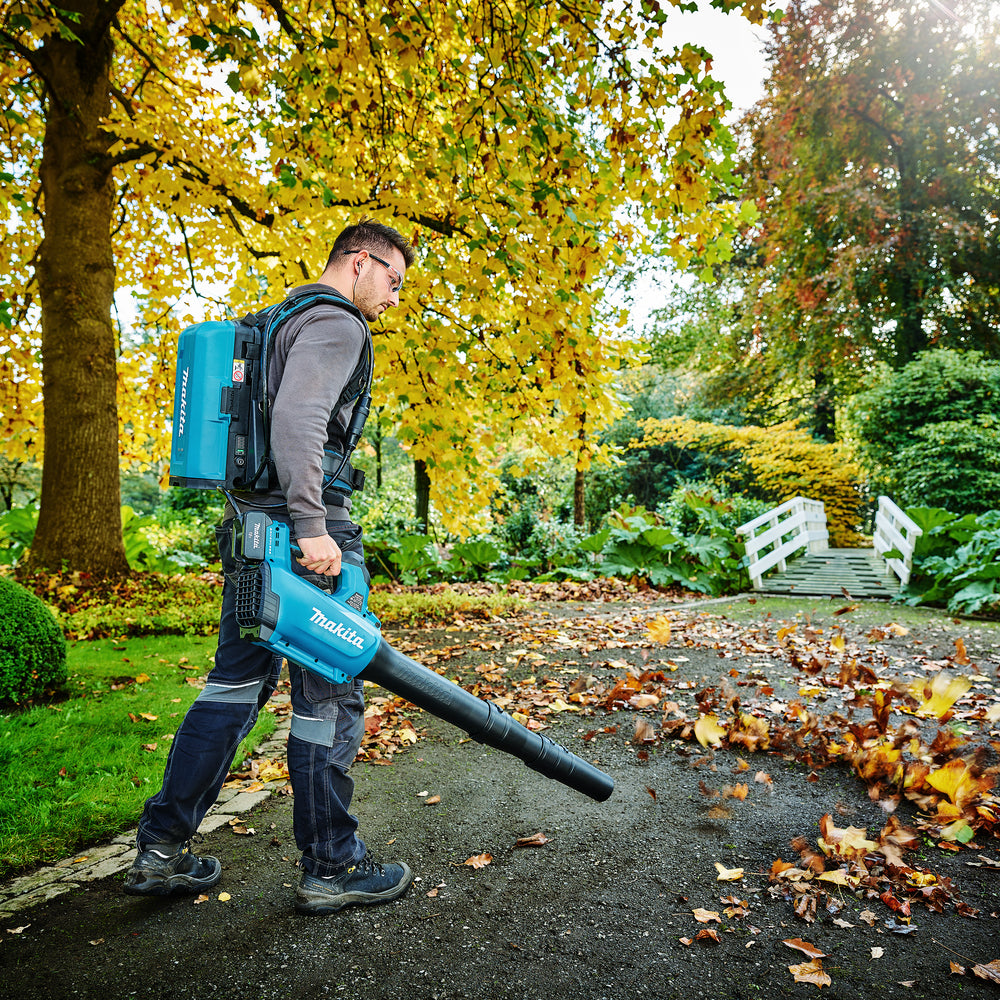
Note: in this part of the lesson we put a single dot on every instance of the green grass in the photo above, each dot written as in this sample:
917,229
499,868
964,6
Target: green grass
77,770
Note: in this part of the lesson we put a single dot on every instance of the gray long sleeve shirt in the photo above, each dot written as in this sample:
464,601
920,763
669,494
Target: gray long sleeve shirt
315,354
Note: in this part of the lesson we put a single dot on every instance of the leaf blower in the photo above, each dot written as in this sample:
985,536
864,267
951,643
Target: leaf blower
334,635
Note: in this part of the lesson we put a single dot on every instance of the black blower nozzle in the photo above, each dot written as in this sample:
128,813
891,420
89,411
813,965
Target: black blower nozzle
483,721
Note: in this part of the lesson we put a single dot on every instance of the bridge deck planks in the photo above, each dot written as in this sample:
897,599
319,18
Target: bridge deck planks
825,574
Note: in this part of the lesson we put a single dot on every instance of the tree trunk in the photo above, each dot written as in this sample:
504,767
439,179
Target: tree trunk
79,526
422,487
824,408
580,498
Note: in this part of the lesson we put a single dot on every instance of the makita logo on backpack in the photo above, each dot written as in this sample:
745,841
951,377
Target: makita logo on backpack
338,629
183,408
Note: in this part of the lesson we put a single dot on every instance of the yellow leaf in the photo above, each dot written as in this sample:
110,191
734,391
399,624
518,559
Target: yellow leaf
659,630
944,693
706,916
224,897
708,732
839,877
728,874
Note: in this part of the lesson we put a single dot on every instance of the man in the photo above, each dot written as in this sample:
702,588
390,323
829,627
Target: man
316,372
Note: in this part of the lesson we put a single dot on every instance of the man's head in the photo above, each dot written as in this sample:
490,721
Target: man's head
367,265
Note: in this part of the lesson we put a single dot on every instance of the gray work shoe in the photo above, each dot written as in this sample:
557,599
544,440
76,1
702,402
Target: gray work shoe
366,881
161,869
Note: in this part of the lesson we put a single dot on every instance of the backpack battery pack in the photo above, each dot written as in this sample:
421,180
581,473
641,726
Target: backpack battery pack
218,433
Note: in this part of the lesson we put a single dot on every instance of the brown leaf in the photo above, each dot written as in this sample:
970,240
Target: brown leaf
991,971
432,800
706,916
805,947
479,860
707,935
958,970
535,840
810,972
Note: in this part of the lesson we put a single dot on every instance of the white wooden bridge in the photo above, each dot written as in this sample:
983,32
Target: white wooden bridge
790,543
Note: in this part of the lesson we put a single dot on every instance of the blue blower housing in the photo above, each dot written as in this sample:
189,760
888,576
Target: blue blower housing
295,618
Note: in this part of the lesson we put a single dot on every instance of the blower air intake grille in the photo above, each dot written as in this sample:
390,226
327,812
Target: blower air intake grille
249,597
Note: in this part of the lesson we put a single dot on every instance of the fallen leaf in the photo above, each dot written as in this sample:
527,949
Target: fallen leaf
659,630
18,930
706,916
432,800
708,732
991,971
535,840
706,935
479,860
958,970
805,947
728,874
224,897
878,952
97,941
203,898
810,972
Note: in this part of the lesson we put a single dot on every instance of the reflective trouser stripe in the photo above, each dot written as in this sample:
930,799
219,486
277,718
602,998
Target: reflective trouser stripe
312,730
241,694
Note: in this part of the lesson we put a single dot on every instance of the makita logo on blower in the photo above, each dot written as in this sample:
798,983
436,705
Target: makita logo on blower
338,629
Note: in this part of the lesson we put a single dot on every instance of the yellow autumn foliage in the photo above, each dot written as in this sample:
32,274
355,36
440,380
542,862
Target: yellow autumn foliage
776,463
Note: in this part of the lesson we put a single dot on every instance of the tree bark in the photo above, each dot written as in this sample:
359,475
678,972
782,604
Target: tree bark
422,488
580,498
79,525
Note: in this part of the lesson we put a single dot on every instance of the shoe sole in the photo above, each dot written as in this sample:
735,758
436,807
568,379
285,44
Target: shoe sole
333,904
174,884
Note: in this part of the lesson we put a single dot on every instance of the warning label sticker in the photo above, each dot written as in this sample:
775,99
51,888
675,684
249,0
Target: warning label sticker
239,369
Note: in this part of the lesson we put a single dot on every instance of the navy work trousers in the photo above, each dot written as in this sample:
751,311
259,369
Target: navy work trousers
327,727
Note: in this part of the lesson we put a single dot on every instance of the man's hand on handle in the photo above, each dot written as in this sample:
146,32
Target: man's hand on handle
320,554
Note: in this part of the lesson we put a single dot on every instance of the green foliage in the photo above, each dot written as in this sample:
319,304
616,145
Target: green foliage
17,529
140,604
775,464
32,647
635,542
956,561
955,464
939,387
438,604
931,432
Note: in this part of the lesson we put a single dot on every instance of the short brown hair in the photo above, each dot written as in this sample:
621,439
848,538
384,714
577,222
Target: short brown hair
373,236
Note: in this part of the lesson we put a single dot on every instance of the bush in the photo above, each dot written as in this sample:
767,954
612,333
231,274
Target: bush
32,647
954,464
939,400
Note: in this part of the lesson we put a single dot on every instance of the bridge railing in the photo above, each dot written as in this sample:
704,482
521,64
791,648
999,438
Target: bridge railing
895,531
770,539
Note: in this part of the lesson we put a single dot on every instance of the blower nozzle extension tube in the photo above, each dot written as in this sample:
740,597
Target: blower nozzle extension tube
336,636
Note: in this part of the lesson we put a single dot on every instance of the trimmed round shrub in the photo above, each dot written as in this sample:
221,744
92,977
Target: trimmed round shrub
32,646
